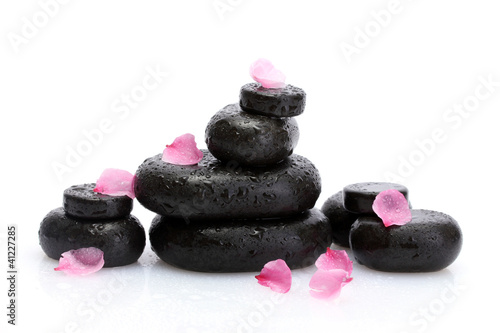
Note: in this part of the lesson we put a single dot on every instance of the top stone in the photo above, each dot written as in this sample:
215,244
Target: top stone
288,101
359,197
81,201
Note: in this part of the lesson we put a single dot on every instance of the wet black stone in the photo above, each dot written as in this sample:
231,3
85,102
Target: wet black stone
82,202
358,198
430,242
122,240
240,245
213,189
249,139
288,101
340,219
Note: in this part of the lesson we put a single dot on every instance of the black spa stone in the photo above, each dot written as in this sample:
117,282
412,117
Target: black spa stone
122,240
82,202
358,198
430,242
249,139
214,189
240,245
288,101
340,219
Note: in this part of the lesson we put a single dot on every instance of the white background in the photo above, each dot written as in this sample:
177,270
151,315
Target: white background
365,114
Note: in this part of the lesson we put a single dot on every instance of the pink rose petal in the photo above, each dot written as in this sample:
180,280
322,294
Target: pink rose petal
276,275
264,72
334,259
182,151
327,284
116,182
81,262
391,206
334,272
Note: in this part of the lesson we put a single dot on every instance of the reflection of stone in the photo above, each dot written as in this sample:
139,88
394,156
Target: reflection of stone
94,297
196,301
148,259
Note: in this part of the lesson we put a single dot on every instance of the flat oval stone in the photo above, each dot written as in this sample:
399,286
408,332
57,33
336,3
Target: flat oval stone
240,245
213,189
340,219
358,198
249,139
122,240
288,101
430,242
82,202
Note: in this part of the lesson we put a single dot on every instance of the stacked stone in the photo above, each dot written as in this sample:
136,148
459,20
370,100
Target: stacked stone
248,201
90,219
355,200
430,242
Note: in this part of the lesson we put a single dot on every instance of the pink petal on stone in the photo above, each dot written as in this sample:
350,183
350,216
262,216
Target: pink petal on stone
116,182
328,284
264,72
83,261
182,151
276,275
334,259
391,206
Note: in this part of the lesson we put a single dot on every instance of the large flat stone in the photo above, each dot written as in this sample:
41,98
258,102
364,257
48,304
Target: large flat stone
429,242
214,189
240,245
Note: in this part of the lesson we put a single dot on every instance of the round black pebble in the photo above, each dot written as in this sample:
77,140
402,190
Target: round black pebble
240,245
82,202
430,242
122,240
340,219
214,189
249,139
288,101
358,198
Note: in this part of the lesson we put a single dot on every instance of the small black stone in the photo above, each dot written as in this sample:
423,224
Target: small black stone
82,202
340,219
249,139
122,240
358,198
213,189
430,242
240,245
288,101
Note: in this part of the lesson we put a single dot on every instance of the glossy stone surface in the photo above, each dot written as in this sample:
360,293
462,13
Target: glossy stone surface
82,202
240,245
213,189
122,240
288,101
340,219
359,197
430,242
249,139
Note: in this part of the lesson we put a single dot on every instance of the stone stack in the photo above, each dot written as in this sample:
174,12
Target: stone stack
248,201
90,219
429,242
